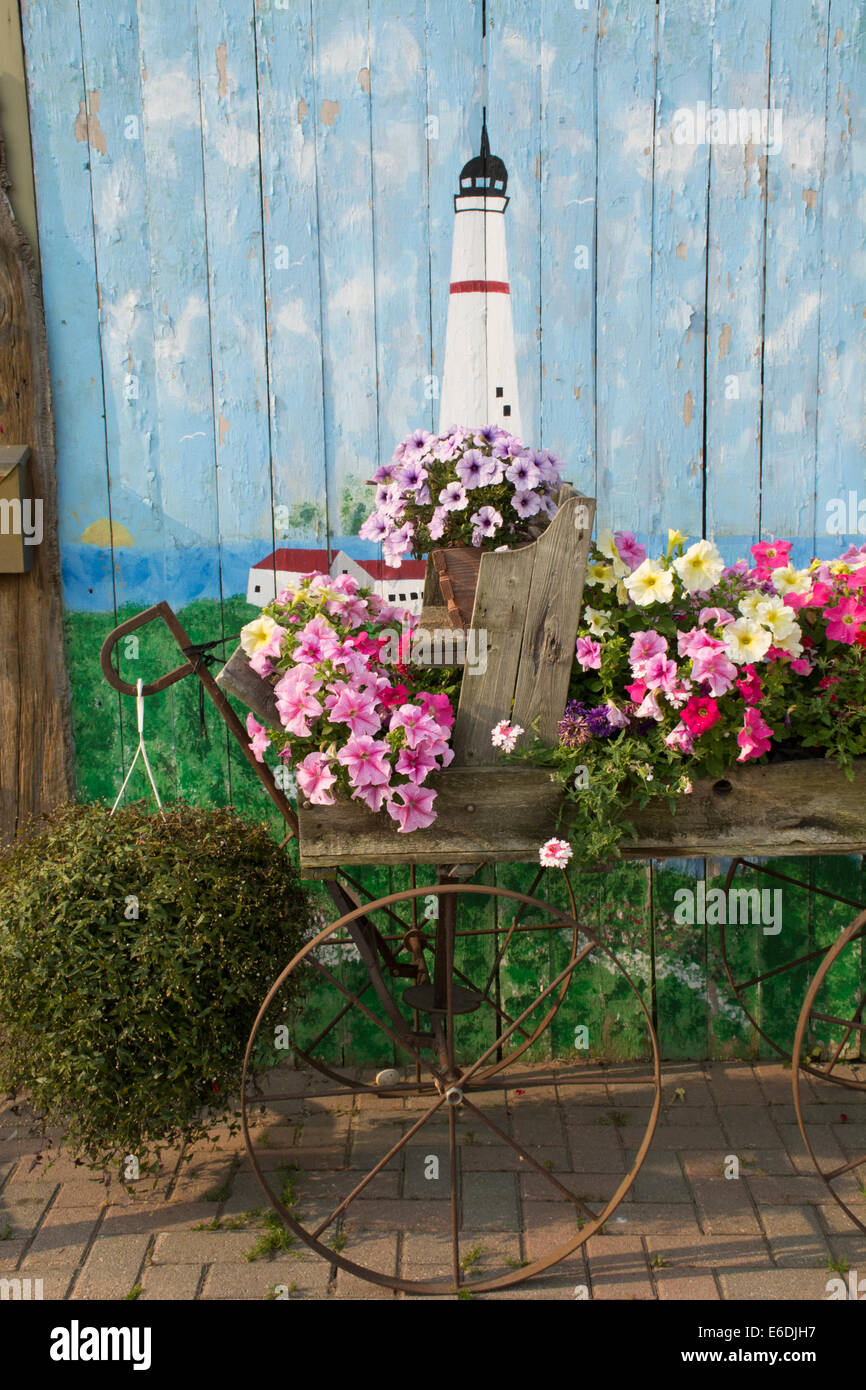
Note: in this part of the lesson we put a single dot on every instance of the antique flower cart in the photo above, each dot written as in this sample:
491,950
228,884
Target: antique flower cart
472,991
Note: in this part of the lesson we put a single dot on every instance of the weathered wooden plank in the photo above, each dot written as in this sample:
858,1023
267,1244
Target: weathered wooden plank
236,285
341,56
624,386
735,283
505,813
513,119
497,619
567,236
401,263
795,176
237,678
291,235
553,611
454,100
842,366
36,743
675,446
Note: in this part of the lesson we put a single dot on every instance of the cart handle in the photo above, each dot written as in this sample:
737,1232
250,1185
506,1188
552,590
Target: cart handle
147,615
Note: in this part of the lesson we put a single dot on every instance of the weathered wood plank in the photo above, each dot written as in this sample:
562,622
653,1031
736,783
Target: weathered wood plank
553,611
505,813
842,365
795,177
738,186
498,618
36,741
675,445
567,236
625,394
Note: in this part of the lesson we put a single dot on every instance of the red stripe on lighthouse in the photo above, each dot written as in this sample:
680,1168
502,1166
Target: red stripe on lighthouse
480,287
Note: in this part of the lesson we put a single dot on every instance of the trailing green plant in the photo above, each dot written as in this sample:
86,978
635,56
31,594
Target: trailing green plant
134,954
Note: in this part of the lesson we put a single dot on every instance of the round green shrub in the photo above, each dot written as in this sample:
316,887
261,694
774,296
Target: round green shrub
134,955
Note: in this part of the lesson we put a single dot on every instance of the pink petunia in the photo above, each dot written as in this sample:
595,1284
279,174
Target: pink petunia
259,736
845,619
680,738
415,763
698,640
715,669
700,714
317,641
354,707
643,646
649,707
660,673
588,654
754,737
637,690
414,809
802,666
751,688
438,706
296,711
315,779
373,797
769,556
366,761
630,552
720,616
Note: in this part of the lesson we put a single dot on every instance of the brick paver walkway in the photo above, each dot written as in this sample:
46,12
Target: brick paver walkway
685,1230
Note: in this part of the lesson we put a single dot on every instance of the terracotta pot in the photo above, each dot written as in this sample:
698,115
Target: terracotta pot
456,569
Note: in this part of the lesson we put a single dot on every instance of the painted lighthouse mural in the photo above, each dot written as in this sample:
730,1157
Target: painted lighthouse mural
479,382
479,379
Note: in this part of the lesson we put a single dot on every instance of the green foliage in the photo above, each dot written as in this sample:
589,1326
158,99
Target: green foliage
130,1031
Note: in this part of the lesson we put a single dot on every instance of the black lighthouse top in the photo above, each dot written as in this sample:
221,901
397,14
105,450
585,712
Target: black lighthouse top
486,173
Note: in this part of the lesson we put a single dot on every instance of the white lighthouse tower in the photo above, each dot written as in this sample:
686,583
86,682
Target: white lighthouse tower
479,381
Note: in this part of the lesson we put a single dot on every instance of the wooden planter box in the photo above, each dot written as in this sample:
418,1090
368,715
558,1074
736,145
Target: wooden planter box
504,814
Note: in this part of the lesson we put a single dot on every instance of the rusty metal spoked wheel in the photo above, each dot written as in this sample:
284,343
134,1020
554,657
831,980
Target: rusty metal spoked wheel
751,991
441,1151
840,973
390,943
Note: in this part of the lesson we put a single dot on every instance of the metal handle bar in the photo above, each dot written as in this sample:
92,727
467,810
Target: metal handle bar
147,615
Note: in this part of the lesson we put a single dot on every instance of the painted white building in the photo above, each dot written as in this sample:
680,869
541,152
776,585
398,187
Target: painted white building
285,568
479,380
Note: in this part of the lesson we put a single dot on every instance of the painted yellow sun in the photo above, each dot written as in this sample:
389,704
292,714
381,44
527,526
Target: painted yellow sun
107,533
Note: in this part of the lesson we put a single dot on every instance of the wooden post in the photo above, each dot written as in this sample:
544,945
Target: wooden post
36,749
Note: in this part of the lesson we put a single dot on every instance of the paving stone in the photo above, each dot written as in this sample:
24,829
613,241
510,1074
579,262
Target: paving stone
256,1280
680,1251
397,1215
725,1207
796,1189
489,1201
55,1282
796,1236
11,1251
733,1085
705,1163
170,1282
421,1162
826,1147
202,1247
618,1268
685,1284
749,1124
63,1237
660,1178
682,1138
156,1217
539,1125
776,1285
590,1187
113,1262
83,1193
657,1217
23,1217
775,1081
379,1255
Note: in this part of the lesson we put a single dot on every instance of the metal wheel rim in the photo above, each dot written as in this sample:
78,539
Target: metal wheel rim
483,1285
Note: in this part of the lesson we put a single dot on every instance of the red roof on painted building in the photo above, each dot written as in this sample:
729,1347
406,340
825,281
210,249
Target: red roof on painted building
410,569
303,561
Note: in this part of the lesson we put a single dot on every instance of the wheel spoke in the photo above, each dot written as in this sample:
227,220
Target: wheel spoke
843,1022
380,1023
845,1168
572,965
404,1139
504,947
798,883
454,1195
527,1158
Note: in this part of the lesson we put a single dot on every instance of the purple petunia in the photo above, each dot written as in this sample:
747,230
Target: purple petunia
526,503
470,469
523,473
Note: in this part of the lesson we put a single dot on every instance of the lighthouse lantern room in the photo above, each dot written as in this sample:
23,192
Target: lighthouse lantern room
479,384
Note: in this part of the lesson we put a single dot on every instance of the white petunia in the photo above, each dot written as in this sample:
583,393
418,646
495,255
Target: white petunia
649,583
746,640
700,568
